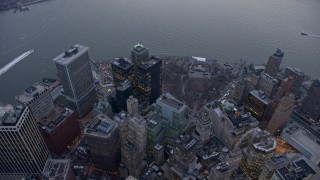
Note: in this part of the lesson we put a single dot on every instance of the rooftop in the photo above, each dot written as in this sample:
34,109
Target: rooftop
269,78
158,147
155,119
124,85
296,70
169,100
9,115
30,93
123,63
101,126
278,53
261,96
56,169
69,55
139,48
298,169
55,118
149,63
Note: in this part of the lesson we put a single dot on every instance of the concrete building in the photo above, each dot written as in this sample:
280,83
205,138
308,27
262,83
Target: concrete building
59,129
204,125
149,80
134,148
183,156
155,131
22,148
54,87
298,77
102,107
122,119
103,139
123,91
261,147
274,62
239,89
310,105
257,104
38,99
158,154
75,74
174,111
290,166
230,125
268,84
122,69
220,172
284,88
282,113
302,139
58,169
132,106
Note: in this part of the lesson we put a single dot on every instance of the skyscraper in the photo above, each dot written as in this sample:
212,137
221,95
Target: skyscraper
274,62
123,91
75,74
257,104
149,80
22,149
298,77
38,99
132,106
139,53
122,69
310,106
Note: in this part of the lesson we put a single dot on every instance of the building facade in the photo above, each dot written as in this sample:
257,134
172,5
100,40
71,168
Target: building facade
38,99
75,74
22,148
122,69
149,80
274,62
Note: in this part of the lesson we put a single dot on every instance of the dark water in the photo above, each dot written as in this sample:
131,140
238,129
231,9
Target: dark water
222,29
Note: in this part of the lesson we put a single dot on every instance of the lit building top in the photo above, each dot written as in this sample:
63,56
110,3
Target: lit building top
261,96
149,63
169,100
30,93
9,115
56,169
139,48
123,63
101,126
55,118
266,145
69,55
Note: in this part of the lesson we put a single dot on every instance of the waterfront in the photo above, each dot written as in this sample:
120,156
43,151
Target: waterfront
224,30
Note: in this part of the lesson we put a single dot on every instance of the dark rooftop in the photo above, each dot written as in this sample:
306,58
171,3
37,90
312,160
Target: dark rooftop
152,61
123,63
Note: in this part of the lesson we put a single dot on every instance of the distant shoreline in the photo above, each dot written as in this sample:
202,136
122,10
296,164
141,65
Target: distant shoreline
25,4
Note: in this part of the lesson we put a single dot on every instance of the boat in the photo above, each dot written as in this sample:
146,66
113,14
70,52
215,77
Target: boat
304,34
15,61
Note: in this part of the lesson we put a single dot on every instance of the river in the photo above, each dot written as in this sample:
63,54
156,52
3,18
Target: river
222,29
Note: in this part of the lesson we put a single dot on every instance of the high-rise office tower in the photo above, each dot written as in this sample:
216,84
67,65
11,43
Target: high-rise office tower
267,84
298,77
274,62
122,69
134,148
103,138
132,106
257,104
282,113
149,80
75,74
139,53
38,99
123,91
310,106
22,149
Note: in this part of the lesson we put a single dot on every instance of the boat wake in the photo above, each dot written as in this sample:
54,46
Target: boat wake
5,68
